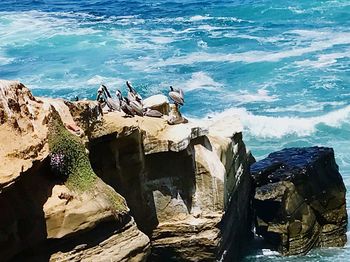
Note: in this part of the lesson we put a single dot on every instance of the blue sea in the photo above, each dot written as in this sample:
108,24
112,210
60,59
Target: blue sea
282,66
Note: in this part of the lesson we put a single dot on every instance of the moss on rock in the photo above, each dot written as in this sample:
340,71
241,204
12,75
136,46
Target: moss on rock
76,165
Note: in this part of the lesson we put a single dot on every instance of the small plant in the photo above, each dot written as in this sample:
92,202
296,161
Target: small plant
70,162
68,157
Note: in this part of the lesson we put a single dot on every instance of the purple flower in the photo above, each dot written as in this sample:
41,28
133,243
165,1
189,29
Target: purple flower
57,163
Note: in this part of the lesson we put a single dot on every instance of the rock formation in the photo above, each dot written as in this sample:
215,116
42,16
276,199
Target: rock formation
187,186
300,200
42,217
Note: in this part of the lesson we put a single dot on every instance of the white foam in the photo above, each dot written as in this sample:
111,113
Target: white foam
317,41
202,44
262,95
305,107
296,10
5,60
324,60
201,80
27,27
109,81
267,126
199,18
161,39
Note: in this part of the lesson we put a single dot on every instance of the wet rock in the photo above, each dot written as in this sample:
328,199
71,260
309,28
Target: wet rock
300,200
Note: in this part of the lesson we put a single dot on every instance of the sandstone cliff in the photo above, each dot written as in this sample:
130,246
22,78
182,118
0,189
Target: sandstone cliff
187,186
42,217
300,200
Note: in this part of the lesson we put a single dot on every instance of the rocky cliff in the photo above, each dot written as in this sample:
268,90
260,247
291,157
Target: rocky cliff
300,200
42,216
187,186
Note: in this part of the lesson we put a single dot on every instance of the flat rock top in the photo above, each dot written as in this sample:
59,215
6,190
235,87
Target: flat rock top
159,136
286,164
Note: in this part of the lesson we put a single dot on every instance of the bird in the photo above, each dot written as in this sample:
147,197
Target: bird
111,103
119,95
177,96
132,94
125,107
137,107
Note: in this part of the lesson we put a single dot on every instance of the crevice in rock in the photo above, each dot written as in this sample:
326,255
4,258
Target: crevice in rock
22,220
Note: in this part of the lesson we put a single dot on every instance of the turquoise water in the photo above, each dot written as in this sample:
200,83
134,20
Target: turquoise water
282,66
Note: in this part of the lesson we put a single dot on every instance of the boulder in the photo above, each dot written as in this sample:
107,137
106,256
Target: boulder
157,102
299,200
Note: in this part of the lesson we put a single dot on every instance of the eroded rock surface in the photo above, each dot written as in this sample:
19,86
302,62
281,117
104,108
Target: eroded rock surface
42,219
188,185
300,200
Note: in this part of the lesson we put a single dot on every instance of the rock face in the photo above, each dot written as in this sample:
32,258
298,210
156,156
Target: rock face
300,200
188,185
42,219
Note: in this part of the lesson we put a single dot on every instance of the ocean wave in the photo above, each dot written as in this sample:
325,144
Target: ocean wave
277,127
109,81
5,60
312,106
201,80
324,60
262,95
318,41
27,27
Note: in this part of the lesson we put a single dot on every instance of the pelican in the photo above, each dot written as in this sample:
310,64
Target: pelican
126,108
111,103
137,107
119,95
177,96
132,94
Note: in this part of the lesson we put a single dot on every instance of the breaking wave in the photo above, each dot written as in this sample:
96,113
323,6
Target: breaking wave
277,127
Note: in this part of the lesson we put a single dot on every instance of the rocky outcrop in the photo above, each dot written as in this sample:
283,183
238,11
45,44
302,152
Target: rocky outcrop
42,218
22,138
187,185
300,200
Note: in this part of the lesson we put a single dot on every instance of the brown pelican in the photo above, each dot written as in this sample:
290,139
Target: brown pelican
100,95
132,94
111,103
137,107
126,108
177,96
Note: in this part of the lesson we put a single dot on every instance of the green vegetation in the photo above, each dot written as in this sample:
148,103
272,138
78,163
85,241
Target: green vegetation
116,200
76,165
72,163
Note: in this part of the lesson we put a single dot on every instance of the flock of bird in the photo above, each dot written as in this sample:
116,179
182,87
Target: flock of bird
132,104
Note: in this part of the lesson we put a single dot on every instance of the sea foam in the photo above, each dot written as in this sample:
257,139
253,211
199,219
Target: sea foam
277,127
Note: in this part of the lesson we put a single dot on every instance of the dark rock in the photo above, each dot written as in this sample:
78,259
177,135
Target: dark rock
300,200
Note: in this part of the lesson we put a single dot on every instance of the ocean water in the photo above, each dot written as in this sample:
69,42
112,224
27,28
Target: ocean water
282,66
